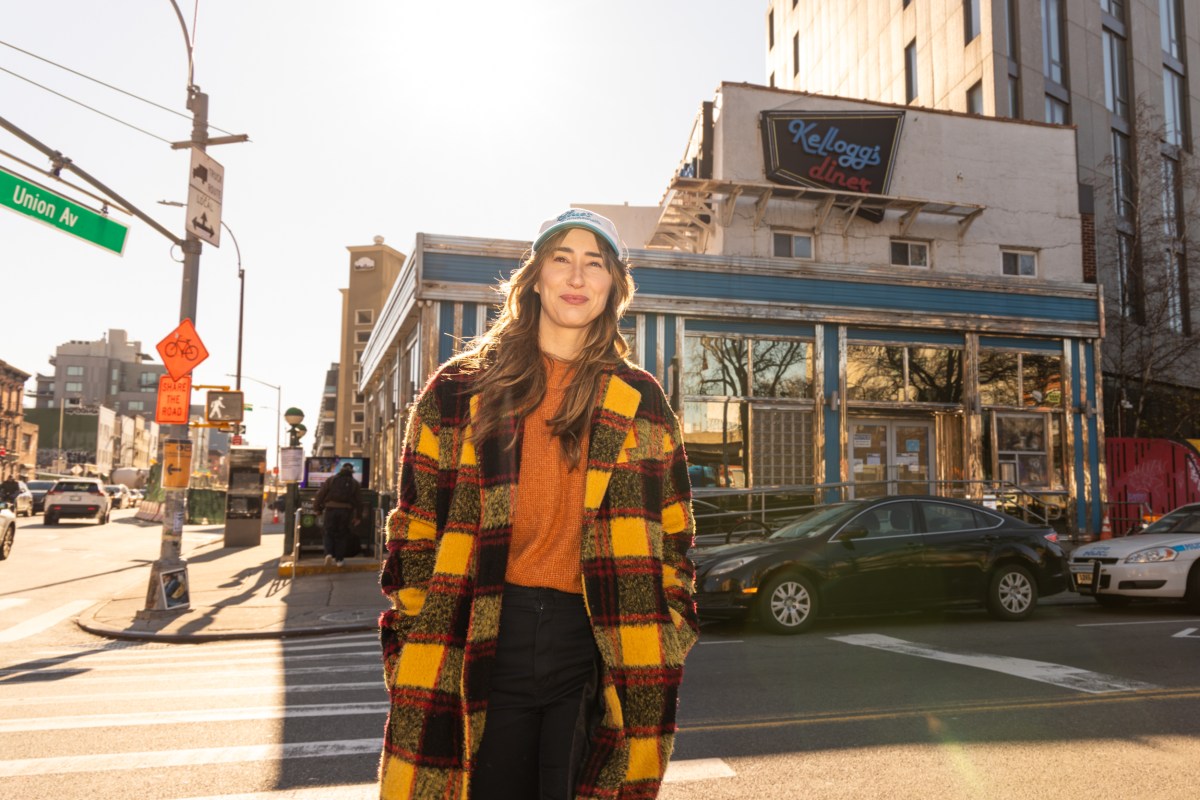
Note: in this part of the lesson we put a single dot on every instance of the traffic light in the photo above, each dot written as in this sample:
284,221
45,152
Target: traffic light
223,407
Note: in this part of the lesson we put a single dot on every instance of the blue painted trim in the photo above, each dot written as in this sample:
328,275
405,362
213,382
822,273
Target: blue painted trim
1089,360
730,326
1077,444
1011,343
832,419
470,313
445,332
914,337
650,350
731,286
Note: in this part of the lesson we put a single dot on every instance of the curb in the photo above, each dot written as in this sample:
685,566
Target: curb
87,622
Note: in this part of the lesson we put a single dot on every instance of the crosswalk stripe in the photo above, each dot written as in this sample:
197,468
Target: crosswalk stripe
208,691
1080,680
45,621
157,663
161,759
12,602
76,722
185,655
40,676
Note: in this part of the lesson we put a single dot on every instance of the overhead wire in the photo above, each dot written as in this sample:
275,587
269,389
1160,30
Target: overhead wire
105,85
85,105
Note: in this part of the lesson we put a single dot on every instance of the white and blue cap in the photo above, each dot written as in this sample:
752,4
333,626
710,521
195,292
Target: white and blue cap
582,218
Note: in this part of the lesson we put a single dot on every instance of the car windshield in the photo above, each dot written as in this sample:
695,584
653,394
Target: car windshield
38,485
1185,521
111,489
77,486
819,522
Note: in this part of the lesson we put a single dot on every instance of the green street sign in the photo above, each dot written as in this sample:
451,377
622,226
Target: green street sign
57,211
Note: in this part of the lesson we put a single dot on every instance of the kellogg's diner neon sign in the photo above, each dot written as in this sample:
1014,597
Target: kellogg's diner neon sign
850,152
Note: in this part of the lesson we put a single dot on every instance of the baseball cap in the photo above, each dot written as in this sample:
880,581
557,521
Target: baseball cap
582,218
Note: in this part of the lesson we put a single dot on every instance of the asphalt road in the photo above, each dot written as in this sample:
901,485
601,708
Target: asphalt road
1076,701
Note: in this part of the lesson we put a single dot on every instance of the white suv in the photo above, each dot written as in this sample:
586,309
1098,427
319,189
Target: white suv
77,497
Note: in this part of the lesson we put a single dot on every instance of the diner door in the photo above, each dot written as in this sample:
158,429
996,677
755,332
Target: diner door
890,456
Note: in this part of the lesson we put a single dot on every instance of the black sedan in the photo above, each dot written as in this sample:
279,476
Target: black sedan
39,490
883,554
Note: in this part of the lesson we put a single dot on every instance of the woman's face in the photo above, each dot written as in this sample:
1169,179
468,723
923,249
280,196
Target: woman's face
574,285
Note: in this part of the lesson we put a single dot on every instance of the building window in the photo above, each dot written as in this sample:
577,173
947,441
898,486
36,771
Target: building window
359,417
975,99
1019,262
792,245
74,386
1053,41
1115,8
770,29
148,379
970,19
358,398
1014,97
1170,21
1116,82
910,71
1010,30
1174,108
75,372
362,337
364,316
1056,110
1122,177
796,54
1020,379
356,437
909,254
772,83
135,405
897,373
358,356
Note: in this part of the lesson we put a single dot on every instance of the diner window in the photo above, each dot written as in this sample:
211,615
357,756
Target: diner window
792,245
1028,450
747,401
1015,379
909,254
1022,263
891,373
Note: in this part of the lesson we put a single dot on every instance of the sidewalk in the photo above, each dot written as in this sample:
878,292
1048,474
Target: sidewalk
247,593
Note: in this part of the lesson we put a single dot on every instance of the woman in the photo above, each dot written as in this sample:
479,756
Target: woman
537,569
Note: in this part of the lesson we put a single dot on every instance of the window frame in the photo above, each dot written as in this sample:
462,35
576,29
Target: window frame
1020,253
909,244
792,235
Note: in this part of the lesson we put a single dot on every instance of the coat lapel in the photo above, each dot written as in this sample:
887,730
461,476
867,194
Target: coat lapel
611,434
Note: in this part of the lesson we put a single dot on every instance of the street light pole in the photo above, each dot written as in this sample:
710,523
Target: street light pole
241,302
278,415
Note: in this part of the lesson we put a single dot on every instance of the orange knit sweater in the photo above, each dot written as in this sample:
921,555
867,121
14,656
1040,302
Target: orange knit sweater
548,520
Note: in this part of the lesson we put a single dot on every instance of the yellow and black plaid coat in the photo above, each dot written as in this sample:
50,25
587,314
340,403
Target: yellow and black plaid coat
448,544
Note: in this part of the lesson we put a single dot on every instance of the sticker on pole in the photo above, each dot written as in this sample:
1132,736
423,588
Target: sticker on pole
174,399
182,350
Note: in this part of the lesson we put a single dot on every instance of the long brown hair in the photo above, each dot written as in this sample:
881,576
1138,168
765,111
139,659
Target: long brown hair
512,376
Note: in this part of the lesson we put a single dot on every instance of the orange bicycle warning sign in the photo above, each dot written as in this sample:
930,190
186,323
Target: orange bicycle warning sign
182,350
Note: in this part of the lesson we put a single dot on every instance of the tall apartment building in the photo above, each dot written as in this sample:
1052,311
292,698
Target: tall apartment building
112,371
1117,70
373,270
325,436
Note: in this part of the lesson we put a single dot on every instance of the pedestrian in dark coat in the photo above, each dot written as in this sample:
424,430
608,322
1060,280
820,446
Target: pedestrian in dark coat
479,580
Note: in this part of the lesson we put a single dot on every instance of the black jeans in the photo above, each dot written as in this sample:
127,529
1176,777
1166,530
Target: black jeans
337,530
543,698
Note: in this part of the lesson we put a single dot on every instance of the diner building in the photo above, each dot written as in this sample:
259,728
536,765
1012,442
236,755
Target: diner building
842,298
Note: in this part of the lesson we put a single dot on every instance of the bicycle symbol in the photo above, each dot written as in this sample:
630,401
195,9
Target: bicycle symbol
188,350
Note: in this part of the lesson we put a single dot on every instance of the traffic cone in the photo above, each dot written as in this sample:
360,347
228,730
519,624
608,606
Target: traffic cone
1106,531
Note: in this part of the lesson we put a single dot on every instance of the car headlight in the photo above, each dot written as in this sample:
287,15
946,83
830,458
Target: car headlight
730,565
1152,556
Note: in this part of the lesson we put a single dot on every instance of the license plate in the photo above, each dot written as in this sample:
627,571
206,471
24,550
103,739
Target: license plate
1083,579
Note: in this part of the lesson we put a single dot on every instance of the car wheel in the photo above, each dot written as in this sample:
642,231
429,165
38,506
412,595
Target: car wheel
6,543
51,520
788,603
1113,600
1012,593
1193,589
102,519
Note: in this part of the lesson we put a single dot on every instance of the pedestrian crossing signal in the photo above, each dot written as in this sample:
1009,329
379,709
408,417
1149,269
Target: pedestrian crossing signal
223,407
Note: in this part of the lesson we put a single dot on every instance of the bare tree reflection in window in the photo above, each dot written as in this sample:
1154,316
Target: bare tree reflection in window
998,378
782,368
875,373
935,375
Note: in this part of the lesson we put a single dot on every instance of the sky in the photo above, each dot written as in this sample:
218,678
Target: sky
367,118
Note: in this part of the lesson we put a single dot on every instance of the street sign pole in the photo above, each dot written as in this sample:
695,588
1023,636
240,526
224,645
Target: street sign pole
170,558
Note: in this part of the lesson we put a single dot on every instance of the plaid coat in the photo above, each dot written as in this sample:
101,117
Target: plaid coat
448,544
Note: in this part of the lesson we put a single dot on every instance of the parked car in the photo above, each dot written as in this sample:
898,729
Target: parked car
8,530
77,497
20,500
38,489
1161,561
119,493
889,553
